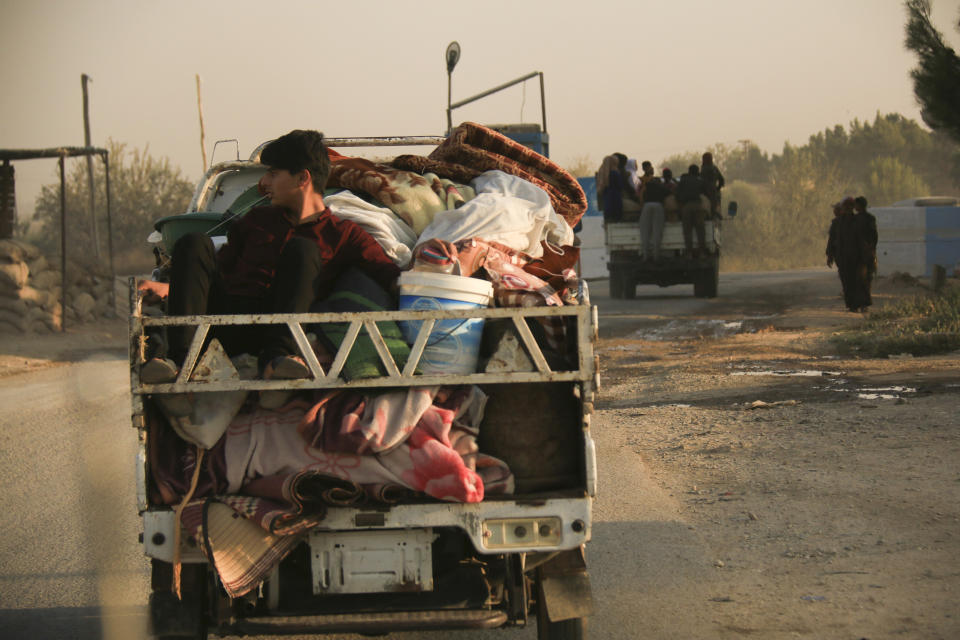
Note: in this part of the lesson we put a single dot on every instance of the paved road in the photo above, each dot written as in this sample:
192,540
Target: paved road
71,567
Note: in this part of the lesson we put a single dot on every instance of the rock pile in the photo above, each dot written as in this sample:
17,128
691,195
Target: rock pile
30,291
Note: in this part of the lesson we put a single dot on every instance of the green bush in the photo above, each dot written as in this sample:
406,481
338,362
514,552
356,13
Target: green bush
922,324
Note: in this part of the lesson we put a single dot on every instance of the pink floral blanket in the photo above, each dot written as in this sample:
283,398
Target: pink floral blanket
422,439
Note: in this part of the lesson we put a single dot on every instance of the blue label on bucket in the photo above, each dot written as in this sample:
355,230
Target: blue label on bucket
453,345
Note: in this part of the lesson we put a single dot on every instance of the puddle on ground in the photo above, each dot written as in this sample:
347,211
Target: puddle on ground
802,373
688,329
884,393
772,369
871,393
835,382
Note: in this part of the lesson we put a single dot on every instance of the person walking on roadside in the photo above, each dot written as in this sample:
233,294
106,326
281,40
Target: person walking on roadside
833,246
848,256
866,226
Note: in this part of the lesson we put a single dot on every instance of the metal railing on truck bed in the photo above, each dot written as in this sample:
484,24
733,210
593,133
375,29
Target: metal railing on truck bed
582,368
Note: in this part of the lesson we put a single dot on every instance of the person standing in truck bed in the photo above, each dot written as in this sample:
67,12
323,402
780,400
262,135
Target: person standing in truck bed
692,212
278,259
652,217
712,183
609,189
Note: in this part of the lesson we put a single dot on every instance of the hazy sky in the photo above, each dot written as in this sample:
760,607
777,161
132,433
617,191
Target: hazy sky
645,78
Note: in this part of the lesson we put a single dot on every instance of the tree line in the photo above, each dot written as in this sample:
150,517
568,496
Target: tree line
143,189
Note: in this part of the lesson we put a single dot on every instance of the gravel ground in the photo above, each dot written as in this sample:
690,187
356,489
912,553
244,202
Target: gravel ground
825,490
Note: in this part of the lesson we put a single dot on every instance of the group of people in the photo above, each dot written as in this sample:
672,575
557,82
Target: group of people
624,194
852,245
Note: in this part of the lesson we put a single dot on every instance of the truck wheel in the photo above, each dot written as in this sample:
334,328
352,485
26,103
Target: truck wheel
571,629
171,618
629,288
616,283
706,283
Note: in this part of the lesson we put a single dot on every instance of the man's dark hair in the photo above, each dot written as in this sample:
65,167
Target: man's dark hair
645,164
621,159
860,200
298,150
694,170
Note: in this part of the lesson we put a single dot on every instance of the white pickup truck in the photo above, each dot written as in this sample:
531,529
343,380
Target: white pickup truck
424,563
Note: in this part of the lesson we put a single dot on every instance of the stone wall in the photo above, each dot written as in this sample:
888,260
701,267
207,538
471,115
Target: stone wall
30,288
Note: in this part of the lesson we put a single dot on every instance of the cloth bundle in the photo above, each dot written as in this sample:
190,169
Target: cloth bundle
392,233
414,198
506,209
512,286
472,149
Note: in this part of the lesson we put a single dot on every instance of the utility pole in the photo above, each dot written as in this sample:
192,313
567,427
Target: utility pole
203,148
84,79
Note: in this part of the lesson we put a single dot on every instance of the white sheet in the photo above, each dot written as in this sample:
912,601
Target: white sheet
507,209
392,233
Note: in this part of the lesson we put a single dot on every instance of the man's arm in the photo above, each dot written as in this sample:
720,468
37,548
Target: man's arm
832,243
153,291
237,234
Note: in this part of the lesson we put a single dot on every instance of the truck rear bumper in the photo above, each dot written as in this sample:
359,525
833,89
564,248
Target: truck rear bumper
366,622
570,519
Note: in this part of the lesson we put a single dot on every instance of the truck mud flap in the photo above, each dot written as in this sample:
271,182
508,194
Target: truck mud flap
368,622
564,587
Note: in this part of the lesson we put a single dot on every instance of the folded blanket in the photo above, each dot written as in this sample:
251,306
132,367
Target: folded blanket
422,438
356,291
389,230
472,149
413,197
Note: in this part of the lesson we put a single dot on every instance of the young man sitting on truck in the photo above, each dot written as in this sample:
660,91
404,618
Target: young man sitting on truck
278,259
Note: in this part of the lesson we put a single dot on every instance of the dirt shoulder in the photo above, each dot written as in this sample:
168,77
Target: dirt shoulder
825,490
22,353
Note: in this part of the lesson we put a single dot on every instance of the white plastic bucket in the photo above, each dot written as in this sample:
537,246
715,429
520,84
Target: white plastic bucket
454,344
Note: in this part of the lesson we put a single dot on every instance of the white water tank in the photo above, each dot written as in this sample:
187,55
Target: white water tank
916,234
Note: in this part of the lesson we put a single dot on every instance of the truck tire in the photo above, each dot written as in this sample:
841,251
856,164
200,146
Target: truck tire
171,618
573,629
706,282
617,277
570,629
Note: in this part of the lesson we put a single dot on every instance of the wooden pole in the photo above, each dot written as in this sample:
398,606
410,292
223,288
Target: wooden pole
63,247
113,270
84,79
203,148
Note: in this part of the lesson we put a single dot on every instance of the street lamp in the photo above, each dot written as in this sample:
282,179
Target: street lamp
452,57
